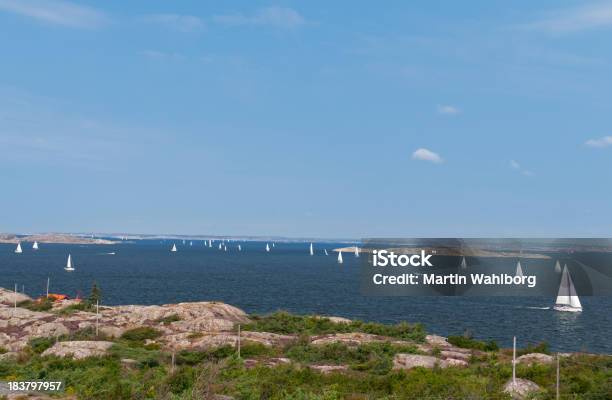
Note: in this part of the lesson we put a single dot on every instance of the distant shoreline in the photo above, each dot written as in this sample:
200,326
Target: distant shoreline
52,238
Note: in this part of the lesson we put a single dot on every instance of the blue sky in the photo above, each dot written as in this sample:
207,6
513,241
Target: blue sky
330,119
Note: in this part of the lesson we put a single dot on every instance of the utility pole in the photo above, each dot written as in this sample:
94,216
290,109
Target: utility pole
557,376
514,361
97,316
238,340
48,287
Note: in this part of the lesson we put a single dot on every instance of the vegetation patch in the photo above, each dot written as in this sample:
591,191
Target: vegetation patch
285,323
469,343
141,334
42,304
169,319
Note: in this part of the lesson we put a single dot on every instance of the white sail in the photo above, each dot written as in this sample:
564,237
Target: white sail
190,243
311,250
224,248
356,251
326,252
519,270
239,248
18,249
69,266
267,247
173,247
463,263
210,243
558,267
220,245
35,245
567,298
340,257
183,241
273,244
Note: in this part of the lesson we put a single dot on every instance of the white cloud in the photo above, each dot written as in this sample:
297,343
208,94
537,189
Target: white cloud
516,166
592,16
279,17
160,55
601,142
56,12
423,154
182,23
448,110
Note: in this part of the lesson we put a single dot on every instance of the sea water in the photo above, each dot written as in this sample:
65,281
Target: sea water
288,278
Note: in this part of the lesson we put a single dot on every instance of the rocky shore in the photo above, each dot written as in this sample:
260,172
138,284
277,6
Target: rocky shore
203,326
51,238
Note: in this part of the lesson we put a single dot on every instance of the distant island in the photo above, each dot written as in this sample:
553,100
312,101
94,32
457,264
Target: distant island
61,238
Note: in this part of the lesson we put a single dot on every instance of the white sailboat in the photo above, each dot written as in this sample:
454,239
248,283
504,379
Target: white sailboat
173,247
558,267
267,247
35,245
311,250
325,250
519,270
239,248
273,244
220,246
18,249
356,251
69,266
224,248
340,257
190,243
210,243
463,263
567,298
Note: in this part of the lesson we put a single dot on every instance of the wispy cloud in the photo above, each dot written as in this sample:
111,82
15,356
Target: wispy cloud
181,23
423,154
279,17
56,12
448,110
601,142
516,166
160,55
586,17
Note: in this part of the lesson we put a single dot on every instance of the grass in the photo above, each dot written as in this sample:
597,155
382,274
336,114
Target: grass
199,374
285,323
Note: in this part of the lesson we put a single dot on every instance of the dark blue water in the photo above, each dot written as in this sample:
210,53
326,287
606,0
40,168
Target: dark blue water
146,272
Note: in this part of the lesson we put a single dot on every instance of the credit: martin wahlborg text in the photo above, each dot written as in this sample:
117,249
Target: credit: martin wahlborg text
385,258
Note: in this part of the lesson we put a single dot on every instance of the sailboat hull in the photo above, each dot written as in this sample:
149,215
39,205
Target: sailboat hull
567,309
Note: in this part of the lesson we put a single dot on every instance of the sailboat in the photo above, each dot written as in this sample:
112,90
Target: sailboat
18,249
190,243
273,244
311,250
173,248
519,270
567,298
239,248
463,263
267,247
325,250
210,243
340,257
558,267
356,251
35,245
220,246
224,248
69,266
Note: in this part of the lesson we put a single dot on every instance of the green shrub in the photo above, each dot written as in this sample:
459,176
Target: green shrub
169,319
83,305
37,305
40,344
469,343
541,347
140,334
